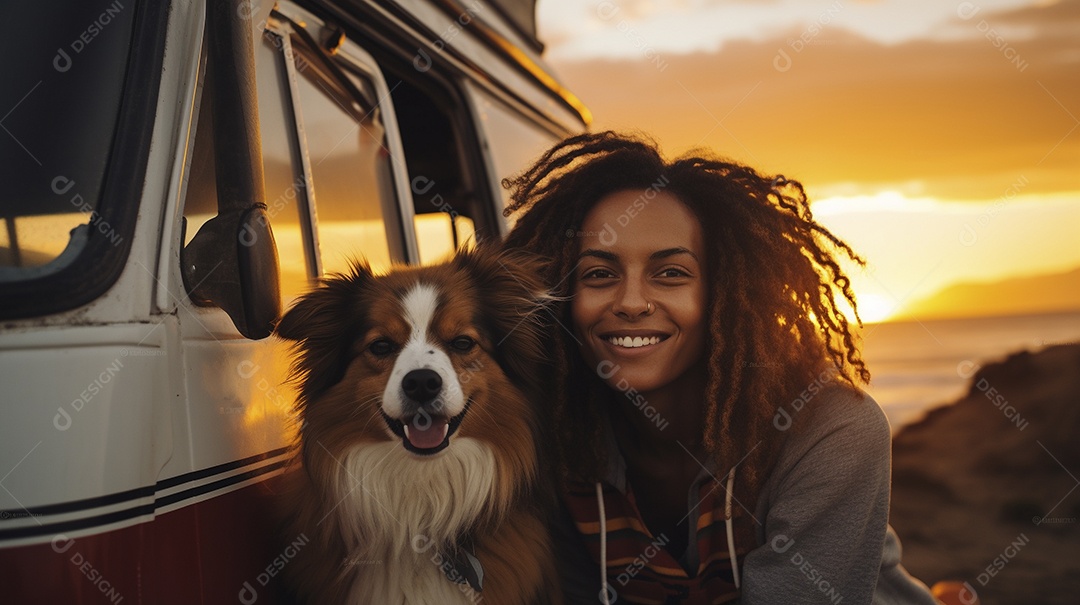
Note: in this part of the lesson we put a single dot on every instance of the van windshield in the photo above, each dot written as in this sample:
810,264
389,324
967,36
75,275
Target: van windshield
62,74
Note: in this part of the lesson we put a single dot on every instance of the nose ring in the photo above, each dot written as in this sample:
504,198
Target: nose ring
648,308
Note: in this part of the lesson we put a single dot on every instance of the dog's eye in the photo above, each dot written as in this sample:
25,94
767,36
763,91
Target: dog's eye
381,347
463,344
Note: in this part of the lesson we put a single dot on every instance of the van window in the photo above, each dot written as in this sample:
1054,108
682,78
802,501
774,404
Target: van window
352,187
514,143
450,198
62,74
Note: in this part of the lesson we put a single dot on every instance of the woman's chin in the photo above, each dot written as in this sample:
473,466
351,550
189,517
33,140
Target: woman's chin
634,384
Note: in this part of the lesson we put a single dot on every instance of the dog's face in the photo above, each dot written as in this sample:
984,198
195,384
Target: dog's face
422,356
429,355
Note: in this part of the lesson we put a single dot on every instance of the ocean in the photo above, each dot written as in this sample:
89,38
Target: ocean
919,365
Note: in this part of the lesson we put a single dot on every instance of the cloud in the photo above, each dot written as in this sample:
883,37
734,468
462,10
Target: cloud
593,30
962,116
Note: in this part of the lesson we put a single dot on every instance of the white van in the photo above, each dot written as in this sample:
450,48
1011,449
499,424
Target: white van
174,173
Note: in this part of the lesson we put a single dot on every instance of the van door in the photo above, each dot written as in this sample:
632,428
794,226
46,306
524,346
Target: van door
335,192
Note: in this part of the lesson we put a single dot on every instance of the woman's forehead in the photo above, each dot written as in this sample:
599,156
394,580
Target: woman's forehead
641,222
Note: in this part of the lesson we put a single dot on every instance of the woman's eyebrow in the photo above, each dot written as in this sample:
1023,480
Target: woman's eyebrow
603,254
659,254
672,252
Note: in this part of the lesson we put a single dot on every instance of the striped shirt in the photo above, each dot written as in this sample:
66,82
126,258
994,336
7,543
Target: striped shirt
639,567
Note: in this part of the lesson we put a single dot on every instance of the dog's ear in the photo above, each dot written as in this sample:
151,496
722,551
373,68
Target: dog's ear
322,324
513,303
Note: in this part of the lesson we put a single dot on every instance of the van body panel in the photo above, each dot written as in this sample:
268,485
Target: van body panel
179,557
100,425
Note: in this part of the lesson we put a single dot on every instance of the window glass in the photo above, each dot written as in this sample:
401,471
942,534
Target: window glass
350,166
514,142
437,238
62,74
450,199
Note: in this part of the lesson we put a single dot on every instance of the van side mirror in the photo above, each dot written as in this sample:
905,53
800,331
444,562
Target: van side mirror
232,263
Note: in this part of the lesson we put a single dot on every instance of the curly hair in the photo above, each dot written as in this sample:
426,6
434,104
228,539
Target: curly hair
773,287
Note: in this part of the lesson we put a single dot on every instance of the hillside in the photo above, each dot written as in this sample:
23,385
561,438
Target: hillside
985,489
1015,296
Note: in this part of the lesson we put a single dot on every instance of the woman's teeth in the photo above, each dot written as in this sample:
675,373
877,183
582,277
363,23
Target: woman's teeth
634,342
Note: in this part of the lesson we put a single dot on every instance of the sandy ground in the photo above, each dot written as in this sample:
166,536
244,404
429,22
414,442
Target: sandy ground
985,490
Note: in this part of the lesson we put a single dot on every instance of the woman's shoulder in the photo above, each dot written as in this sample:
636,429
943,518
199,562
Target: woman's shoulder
841,439
840,415
839,406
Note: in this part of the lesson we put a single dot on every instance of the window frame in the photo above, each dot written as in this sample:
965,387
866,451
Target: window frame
394,44
100,264
354,61
309,220
400,237
486,213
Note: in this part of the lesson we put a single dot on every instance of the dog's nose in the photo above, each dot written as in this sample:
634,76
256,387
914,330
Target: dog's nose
422,385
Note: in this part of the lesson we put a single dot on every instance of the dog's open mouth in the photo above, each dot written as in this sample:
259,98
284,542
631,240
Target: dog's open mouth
426,434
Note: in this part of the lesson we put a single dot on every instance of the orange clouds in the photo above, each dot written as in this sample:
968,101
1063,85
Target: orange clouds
959,114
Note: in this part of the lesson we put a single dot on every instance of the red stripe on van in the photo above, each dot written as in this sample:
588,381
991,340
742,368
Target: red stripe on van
221,550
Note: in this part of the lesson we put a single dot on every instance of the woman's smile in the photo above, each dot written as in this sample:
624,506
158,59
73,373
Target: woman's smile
634,337
625,346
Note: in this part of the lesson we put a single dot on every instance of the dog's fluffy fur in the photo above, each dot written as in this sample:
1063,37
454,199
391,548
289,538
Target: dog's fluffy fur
383,515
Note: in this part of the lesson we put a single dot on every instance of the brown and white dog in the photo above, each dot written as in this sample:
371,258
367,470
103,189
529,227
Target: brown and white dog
418,443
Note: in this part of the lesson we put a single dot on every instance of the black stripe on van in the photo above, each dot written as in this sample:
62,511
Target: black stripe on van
135,494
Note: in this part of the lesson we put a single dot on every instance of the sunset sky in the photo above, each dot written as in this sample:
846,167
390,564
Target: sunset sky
941,139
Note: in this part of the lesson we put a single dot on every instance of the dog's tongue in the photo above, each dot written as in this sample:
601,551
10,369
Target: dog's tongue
428,434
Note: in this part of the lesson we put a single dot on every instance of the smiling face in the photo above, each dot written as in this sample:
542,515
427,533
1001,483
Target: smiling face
640,304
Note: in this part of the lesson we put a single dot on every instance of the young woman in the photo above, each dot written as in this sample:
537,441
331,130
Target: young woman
713,443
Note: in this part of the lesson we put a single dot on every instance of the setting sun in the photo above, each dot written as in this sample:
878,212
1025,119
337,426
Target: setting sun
874,308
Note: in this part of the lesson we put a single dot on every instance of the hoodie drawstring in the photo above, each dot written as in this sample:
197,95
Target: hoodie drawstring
730,527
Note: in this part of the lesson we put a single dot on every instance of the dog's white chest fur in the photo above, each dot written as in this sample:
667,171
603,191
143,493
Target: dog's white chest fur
395,510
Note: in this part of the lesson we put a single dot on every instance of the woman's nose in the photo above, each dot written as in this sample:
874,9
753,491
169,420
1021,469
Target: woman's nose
630,302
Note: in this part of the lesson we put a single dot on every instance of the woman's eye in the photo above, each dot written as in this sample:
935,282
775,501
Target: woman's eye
597,274
673,272
381,347
463,344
